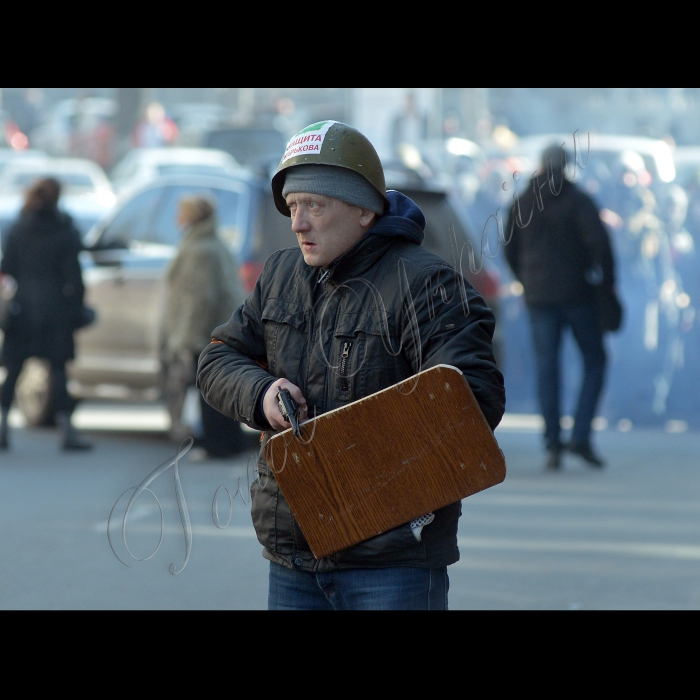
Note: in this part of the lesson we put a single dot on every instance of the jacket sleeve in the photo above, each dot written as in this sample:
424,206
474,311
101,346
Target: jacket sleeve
11,251
232,374
455,328
71,272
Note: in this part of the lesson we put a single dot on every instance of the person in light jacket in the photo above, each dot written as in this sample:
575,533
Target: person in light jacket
203,289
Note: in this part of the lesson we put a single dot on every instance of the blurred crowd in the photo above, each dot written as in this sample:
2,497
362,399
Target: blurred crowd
648,194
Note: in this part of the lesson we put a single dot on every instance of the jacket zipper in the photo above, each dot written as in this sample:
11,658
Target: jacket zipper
344,384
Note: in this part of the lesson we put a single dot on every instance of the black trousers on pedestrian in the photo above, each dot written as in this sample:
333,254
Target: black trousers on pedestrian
59,385
548,325
222,436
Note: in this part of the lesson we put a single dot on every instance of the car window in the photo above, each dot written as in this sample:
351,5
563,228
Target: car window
165,229
127,168
612,161
132,222
84,223
229,217
68,180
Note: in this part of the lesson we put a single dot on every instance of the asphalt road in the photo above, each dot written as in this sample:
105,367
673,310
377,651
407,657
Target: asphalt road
625,538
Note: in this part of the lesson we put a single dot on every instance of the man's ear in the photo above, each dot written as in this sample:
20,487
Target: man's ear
367,218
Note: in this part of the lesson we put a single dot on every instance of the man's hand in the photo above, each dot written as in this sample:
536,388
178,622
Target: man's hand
272,409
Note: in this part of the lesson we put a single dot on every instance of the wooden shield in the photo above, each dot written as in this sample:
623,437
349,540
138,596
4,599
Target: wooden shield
385,460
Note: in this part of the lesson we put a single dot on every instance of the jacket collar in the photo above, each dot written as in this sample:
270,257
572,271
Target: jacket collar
202,229
358,260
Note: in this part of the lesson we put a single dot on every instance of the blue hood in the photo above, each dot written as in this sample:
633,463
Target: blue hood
404,219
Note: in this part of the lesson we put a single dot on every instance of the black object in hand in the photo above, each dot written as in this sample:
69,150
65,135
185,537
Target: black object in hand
289,409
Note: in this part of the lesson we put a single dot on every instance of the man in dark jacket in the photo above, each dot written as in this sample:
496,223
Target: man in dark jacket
355,308
560,251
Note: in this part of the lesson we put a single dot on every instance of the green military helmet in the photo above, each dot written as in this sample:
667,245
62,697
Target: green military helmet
330,143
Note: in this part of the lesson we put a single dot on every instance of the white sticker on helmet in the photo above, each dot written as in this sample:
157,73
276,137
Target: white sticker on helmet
308,141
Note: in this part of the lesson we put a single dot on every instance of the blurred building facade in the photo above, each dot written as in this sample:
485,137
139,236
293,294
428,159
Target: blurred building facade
103,124
471,113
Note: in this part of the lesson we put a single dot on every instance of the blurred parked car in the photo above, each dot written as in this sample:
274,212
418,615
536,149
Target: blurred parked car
11,155
254,148
460,161
605,150
128,253
87,194
142,165
78,177
130,249
687,162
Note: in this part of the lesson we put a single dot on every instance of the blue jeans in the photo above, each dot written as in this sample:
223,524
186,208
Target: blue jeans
548,324
358,589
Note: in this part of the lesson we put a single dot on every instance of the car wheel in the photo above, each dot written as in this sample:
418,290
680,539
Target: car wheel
33,393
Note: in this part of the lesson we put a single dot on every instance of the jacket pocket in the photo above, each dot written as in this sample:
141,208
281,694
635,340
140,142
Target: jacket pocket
285,336
366,350
395,545
343,390
265,494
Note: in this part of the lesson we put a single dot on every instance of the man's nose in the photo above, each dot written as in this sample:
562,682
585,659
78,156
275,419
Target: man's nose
300,223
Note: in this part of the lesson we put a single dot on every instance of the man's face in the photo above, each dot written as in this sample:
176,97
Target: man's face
326,228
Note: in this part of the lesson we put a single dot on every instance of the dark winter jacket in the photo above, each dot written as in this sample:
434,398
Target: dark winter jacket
387,293
563,247
41,254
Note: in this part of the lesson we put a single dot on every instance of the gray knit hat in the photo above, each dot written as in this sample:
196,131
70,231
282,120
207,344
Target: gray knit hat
331,181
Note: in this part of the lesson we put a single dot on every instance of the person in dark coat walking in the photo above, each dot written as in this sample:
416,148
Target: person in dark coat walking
560,251
41,255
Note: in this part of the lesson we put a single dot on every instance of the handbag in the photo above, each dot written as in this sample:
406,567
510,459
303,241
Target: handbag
610,311
85,317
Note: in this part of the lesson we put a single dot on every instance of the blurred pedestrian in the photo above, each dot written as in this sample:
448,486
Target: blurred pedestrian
203,290
560,252
156,129
41,255
409,127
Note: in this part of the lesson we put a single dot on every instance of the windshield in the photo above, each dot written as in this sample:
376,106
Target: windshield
70,181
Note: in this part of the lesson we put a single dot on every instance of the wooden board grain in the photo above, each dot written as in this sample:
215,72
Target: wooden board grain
385,460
